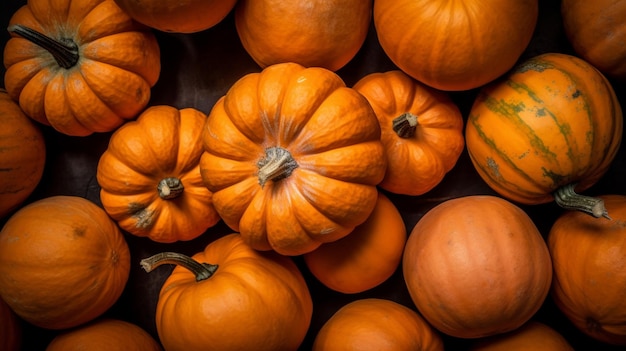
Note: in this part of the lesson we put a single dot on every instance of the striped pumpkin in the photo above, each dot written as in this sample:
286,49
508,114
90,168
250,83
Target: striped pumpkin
549,128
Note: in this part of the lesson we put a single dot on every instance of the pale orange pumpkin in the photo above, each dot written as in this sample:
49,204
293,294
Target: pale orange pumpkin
533,335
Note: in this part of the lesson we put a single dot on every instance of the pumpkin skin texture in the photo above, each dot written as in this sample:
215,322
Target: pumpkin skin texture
175,16
455,45
597,32
365,258
482,258
589,280
150,179
377,324
63,262
422,130
553,121
10,329
22,155
105,335
100,77
292,157
313,33
253,300
531,336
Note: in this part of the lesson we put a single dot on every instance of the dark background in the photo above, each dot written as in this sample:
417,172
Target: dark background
197,69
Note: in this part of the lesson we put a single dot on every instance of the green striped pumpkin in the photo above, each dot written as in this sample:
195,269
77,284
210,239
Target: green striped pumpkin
550,127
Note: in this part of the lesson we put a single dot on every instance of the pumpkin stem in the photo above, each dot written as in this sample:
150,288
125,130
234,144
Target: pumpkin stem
64,51
276,165
405,125
170,188
202,271
567,198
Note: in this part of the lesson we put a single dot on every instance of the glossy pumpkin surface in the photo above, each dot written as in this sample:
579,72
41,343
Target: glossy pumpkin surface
531,336
10,329
150,178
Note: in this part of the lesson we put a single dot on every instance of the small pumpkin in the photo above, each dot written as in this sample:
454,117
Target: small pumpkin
476,266
377,324
150,179
547,130
292,157
422,130
231,297
22,155
79,66
531,336
10,329
63,262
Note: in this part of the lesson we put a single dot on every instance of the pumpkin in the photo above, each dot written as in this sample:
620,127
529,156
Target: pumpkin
547,130
320,33
231,297
79,66
597,32
531,336
10,329
177,16
150,179
422,130
589,280
22,155
105,335
63,262
376,324
365,258
476,266
457,45
292,157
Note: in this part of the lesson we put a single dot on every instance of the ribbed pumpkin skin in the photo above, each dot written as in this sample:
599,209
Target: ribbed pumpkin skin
533,335
554,120
10,329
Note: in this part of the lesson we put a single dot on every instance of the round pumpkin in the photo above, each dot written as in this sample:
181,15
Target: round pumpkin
476,266
313,33
105,335
597,32
588,256
10,329
150,179
422,130
231,297
81,68
63,262
551,127
458,45
22,155
292,157
376,324
531,336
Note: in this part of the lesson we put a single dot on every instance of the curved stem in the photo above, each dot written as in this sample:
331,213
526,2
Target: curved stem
567,198
202,271
170,188
64,51
405,125
276,165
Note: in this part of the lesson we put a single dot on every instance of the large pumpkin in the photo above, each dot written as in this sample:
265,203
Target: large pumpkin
476,266
533,335
79,66
10,329
22,155
455,45
422,130
150,179
552,125
589,256
63,262
292,157
231,297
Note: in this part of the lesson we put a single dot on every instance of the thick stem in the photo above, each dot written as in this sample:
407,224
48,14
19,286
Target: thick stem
276,165
405,125
170,188
202,271
64,51
567,198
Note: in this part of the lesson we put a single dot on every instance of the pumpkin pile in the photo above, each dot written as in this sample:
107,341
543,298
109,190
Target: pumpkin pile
312,175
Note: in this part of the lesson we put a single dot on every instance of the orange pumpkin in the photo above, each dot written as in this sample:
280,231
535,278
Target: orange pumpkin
231,297
456,45
22,155
476,266
365,258
320,33
588,256
150,179
422,130
10,329
531,336
79,66
105,335
292,157
551,127
377,324
63,262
